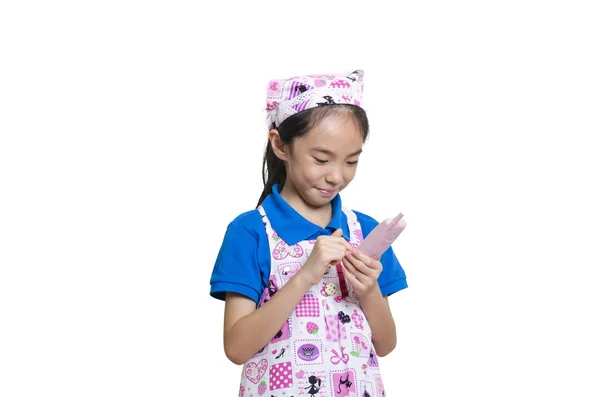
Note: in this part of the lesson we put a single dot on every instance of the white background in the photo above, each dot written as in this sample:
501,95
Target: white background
131,134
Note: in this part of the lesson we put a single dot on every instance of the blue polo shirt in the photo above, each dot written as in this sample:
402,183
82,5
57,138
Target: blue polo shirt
243,264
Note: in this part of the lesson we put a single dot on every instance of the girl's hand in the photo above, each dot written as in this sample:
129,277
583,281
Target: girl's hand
361,271
327,249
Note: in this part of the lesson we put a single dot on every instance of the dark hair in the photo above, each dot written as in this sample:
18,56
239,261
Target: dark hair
296,126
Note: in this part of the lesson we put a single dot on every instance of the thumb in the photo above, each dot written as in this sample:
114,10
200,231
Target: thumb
337,233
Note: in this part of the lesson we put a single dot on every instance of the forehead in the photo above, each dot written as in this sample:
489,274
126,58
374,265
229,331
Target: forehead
336,132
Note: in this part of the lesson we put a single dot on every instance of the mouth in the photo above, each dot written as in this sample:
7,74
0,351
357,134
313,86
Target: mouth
327,192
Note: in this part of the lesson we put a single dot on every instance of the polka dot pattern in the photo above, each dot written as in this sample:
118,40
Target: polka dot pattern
280,376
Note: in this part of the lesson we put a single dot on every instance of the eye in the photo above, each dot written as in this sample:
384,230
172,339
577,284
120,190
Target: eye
353,162
319,160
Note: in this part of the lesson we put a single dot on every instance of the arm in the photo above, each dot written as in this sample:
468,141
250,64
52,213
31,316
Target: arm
362,272
379,316
247,329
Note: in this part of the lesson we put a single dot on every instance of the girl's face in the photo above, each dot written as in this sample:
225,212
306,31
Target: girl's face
324,161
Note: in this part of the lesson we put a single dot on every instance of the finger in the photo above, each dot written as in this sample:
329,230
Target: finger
354,282
342,242
338,237
361,256
338,243
335,254
355,272
367,260
362,267
359,265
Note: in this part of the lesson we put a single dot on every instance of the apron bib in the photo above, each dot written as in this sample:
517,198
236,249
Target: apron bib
324,348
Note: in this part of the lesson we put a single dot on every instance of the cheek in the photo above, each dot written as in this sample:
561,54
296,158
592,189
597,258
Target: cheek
305,171
349,173
313,173
309,169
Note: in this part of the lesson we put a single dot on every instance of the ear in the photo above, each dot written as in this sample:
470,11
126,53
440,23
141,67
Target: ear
280,149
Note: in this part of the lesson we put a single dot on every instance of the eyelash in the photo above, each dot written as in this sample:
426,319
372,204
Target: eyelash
325,161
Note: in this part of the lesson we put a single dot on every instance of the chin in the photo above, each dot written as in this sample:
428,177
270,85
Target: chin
318,202
314,199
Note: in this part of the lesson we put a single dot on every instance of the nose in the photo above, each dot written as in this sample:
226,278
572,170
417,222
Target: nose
334,176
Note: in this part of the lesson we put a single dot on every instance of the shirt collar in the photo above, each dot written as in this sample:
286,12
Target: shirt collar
293,227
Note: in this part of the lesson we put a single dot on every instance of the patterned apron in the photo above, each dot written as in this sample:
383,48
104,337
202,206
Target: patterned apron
324,348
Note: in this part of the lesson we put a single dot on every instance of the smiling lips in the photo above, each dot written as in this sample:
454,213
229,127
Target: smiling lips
326,192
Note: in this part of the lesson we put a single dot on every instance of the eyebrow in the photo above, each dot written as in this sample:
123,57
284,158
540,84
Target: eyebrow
330,153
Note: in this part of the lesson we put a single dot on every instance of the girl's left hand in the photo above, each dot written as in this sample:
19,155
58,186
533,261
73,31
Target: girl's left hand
361,271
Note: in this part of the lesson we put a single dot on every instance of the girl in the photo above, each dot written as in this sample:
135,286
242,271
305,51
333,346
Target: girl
297,323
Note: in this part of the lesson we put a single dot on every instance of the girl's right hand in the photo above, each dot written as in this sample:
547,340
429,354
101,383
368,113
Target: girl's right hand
327,250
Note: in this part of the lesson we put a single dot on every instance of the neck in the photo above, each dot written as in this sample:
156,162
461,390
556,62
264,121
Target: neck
319,215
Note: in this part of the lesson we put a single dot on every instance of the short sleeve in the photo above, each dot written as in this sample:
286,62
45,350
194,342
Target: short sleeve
237,267
392,278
